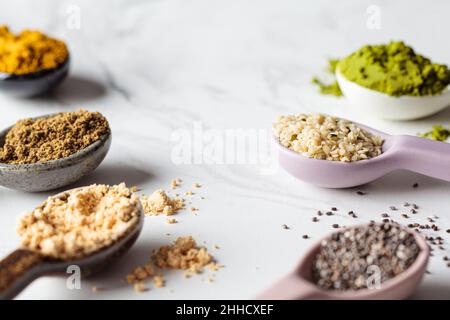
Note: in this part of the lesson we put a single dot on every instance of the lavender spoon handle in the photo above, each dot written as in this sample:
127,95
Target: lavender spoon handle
291,287
428,157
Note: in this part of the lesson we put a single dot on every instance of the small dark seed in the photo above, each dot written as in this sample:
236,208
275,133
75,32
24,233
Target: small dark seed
329,213
305,236
334,209
361,193
385,215
335,226
315,219
415,185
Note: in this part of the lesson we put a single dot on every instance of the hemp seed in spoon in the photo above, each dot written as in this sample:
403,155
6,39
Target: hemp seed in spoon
81,222
325,137
51,138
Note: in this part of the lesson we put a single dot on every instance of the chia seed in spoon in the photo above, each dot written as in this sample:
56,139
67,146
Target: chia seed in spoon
343,260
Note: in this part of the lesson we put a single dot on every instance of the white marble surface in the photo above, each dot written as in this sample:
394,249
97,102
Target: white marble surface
153,67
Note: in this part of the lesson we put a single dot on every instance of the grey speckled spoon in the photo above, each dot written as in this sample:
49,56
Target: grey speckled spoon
53,174
22,266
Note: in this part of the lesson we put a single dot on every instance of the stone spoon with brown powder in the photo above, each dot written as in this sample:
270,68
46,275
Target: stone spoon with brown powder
88,227
52,151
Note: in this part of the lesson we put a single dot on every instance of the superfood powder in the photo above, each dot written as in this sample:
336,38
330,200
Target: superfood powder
81,222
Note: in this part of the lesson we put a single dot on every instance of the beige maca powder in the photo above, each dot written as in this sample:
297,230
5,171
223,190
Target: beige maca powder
80,223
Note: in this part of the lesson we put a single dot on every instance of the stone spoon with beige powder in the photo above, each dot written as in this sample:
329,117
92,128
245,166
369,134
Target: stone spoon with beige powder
88,227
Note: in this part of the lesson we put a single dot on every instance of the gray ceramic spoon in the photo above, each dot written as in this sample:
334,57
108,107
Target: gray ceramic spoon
22,266
53,174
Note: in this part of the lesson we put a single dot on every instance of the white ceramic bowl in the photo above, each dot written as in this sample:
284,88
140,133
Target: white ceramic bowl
384,106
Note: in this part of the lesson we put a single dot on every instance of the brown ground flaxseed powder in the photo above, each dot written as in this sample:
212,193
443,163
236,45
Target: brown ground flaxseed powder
55,137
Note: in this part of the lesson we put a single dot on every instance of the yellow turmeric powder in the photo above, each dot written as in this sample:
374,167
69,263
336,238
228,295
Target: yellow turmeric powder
30,51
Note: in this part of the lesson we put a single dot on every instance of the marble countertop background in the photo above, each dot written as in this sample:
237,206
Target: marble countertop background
162,70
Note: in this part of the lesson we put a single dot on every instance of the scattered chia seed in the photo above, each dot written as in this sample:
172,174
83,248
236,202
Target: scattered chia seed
415,185
385,215
329,213
305,236
393,208
361,193
315,219
285,227
319,213
405,216
343,259
334,209
413,211
335,226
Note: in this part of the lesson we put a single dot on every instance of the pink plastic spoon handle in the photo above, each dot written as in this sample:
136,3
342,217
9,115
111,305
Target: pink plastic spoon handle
428,157
291,287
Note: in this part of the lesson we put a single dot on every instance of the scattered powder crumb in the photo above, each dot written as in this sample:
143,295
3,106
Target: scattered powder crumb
175,183
160,203
197,185
216,247
172,221
139,286
193,210
188,193
159,281
134,189
94,289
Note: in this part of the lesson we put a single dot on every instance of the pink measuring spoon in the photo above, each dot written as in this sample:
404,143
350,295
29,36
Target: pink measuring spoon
297,285
424,156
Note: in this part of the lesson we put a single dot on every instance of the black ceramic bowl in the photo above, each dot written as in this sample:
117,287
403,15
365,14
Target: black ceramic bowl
32,84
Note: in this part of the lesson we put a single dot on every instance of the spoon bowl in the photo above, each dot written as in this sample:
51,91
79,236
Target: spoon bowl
298,284
22,266
384,106
33,84
53,174
420,155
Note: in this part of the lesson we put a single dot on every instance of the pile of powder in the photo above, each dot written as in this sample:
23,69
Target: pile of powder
327,138
395,69
160,203
331,88
54,137
343,261
183,254
80,222
30,51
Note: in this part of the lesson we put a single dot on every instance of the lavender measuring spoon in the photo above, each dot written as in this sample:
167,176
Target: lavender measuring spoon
297,285
424,156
